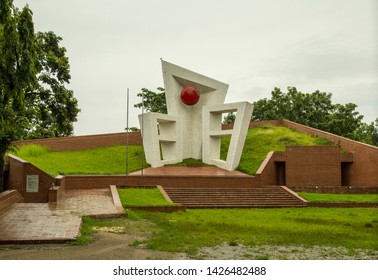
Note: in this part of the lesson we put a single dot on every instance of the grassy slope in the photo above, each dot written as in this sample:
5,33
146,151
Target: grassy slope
112,160
109,160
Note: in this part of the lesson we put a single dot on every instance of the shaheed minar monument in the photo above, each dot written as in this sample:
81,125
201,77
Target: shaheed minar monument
193,126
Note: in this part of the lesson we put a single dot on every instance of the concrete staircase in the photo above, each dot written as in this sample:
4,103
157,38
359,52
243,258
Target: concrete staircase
234,197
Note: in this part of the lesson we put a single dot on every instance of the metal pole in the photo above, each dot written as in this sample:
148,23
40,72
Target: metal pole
142,127
127,133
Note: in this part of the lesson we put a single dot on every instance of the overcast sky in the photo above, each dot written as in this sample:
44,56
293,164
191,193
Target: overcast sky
251,45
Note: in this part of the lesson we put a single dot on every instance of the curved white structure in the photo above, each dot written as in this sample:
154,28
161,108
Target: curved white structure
193,131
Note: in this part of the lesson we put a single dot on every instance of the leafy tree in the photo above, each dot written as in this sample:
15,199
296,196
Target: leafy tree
153,101
316,110
51,108
229,118
17,72
308,109
33,73
368,133
374,132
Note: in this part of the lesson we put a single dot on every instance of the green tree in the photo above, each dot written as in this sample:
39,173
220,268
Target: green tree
33,75
153,101
229,118
51,108
316,110
368,133
17,72
309,109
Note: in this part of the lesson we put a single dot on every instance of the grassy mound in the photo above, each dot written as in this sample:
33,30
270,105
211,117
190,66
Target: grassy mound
108,160
112,160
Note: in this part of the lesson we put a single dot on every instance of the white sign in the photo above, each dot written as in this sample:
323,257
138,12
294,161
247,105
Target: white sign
32,183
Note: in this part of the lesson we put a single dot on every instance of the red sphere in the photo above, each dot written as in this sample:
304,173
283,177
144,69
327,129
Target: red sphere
190,96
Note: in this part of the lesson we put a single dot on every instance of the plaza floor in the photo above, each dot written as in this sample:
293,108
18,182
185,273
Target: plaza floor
189,171
54,222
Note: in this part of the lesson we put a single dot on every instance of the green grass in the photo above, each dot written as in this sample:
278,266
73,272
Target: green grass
112,160
142,197
324,197
189,231
108,160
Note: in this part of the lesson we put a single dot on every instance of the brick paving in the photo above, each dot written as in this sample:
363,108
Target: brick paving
88,202
54,222
37,222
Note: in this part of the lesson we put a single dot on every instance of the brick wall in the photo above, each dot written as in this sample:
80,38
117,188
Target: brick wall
364,169
313,166
100,181
7,198
337,190
17,180
269,171
76,143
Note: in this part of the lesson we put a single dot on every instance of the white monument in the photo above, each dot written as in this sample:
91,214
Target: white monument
193,126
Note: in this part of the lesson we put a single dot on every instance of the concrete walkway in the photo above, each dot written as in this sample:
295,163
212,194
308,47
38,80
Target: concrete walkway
189,171
55,222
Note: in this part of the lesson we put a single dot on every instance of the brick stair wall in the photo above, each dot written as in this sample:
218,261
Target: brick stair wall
234,197
8,198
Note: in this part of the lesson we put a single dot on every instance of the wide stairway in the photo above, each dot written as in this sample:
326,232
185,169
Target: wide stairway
234,197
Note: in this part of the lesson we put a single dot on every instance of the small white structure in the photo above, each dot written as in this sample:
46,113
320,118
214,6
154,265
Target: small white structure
193,126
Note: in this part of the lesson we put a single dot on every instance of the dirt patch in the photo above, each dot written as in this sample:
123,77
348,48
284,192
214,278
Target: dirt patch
106,246
283,252
122,241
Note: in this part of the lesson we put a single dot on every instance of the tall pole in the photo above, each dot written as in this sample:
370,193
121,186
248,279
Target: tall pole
127,133
142,128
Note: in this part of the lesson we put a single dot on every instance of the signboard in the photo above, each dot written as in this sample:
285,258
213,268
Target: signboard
32,183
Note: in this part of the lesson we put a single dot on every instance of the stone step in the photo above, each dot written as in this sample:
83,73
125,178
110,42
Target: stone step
233,197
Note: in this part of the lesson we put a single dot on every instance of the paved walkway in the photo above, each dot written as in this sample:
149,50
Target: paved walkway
54,222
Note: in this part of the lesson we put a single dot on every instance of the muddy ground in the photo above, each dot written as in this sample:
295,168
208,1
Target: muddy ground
120,243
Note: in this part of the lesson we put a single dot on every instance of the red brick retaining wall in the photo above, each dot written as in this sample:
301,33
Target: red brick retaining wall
313,166
364,169
17,174
336,190
100,181
7,198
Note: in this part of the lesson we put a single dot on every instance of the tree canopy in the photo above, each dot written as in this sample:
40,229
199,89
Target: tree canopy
51,108
153,101
33,74
316,110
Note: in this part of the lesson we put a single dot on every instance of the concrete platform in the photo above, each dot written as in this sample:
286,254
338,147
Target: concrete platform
188,171
55,222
